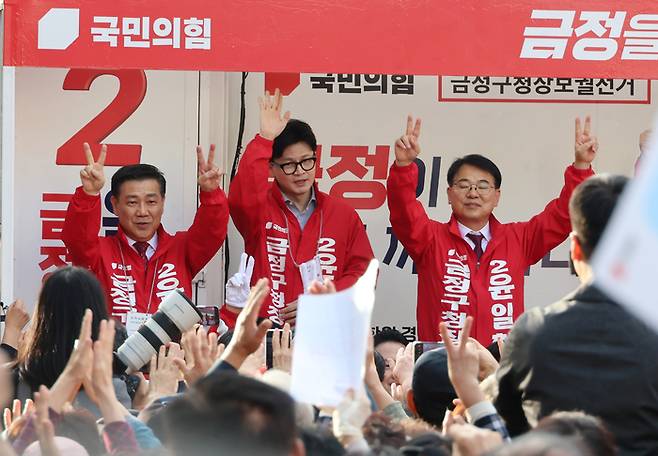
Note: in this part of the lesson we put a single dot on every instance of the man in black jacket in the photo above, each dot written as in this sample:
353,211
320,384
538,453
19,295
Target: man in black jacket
584,352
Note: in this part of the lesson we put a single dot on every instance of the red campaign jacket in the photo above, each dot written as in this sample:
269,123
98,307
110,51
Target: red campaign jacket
272,234
451,285
174,264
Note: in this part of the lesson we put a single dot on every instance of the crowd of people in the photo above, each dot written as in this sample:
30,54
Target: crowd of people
576,377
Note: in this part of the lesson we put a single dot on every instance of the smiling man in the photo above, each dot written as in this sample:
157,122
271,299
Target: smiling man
143,263
295,232
475,265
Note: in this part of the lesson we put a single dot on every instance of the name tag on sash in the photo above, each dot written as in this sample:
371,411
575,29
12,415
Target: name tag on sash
134,320
311,271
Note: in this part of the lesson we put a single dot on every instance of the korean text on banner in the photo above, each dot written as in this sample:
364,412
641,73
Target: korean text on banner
330,341
624,261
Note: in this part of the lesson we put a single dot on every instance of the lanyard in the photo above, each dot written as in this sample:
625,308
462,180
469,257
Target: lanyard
317,250
155,271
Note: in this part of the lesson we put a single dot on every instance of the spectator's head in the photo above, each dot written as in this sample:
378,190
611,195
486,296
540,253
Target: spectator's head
428,444
63,445
582,427
387,343
590,208
431,390
320,442
64,297
80,426
293,158
227,413
541,444
381,432
473,189
138,196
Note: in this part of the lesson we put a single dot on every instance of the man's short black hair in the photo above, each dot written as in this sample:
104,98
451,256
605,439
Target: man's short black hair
478,161
227,413
390,335
591,206
138,172
296,131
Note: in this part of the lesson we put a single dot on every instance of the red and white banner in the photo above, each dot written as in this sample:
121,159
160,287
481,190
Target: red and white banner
558,38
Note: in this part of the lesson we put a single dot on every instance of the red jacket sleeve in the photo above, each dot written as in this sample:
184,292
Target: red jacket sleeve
550,228
81,226
408,218
208,231
359,253
248,191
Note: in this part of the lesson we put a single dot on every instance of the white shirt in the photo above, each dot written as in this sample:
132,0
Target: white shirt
153,244
485,231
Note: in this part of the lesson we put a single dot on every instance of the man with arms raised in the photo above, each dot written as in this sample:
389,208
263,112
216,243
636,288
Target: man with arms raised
475,265
295,232
143,263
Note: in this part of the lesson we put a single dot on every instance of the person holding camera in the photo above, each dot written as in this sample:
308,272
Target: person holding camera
143,263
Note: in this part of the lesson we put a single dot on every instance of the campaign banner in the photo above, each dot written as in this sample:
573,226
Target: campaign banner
597,39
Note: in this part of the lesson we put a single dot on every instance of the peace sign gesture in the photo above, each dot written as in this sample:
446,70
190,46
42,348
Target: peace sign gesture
586,145
271,122
210,175
407,147
92,175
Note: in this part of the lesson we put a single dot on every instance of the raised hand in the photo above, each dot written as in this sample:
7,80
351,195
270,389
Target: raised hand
210,175
271,121
200,352
586,145
44,427
92,176
237,287
407,147
282,345
17,413
16,318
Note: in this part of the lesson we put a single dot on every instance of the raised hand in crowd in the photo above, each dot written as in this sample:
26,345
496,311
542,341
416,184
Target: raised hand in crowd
92,175
164,373
44,427
271,121
248,334
407,147
349,417
586,145
487,363
463,364
377,390
16,318
210,175
200,353
282,345
16,415
403,373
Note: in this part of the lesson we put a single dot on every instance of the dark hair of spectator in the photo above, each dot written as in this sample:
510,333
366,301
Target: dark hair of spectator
225,413
380,365
64,297
588,429
138,172
321,442
477,161
390,335
296,131
80,425
381,432
591,206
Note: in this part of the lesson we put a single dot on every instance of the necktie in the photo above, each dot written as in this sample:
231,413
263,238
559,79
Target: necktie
142,247
477,240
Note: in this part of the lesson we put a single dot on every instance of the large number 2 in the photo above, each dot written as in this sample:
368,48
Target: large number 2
132,89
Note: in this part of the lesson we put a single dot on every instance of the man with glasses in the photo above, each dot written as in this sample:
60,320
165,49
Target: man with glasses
475,265
296,233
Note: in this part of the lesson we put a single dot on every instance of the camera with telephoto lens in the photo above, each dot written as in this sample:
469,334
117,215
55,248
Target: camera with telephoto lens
177,314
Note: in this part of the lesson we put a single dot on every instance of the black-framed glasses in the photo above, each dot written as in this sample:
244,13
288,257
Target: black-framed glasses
289,168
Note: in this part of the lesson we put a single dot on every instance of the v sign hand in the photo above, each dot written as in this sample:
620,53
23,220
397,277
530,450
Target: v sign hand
586,144
407,147
92,176
210,175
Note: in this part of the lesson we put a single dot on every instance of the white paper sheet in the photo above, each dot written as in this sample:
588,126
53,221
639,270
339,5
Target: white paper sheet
330,341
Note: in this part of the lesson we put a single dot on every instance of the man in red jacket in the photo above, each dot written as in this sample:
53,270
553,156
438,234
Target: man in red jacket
475,265
143,263
295,232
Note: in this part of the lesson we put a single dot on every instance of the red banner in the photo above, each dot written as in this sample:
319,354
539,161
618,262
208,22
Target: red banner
559,38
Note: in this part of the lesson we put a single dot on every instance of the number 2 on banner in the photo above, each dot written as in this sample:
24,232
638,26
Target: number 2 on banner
132,89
